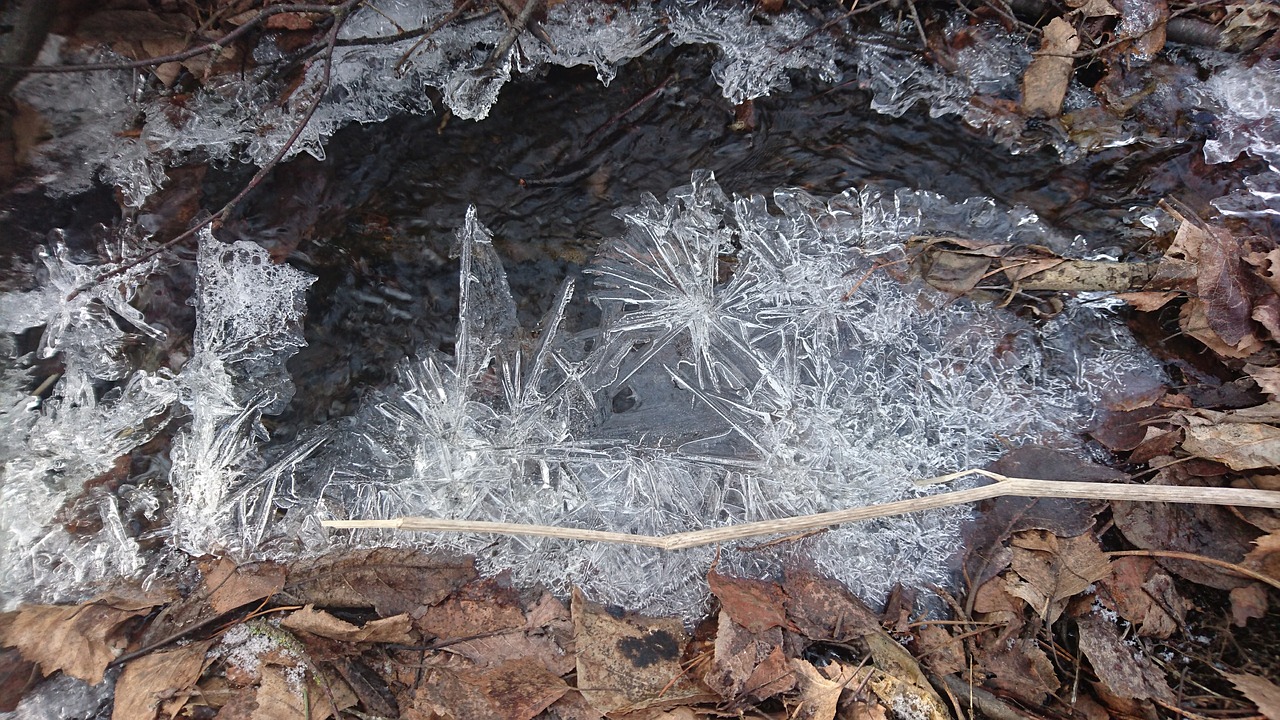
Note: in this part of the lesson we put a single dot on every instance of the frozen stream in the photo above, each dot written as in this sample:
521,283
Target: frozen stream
635,344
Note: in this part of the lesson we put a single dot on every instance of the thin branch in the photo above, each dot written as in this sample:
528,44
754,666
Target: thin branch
517,27
1003,487
342,12
210,47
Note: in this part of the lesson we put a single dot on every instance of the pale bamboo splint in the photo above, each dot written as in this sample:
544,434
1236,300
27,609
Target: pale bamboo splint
1003,487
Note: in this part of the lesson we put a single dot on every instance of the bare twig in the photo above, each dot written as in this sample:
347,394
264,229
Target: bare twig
209,47
1003,487
517,27
342,12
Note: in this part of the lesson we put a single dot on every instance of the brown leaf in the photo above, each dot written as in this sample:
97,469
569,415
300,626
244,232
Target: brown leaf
397,629
1148,300
738,653
1265,555
369,687
79,640
939,649
1222,286
159,679
1266,267
1195,529
819,696
1142,593
572,706
1194,321
1248,603
1266,312
17,676
1044,84
1239,446
1123,671
896,692
392,581
756,605
1268,378
1094,8
956,273
230,586
1124,431
291,694
1019,668
477,608
1055,569
512,691
825,610
1260,691
999,518
631,661
1144,22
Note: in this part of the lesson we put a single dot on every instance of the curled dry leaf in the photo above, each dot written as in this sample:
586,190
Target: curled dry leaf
737,656
756,605
395,629
1238,445
230,586
1044,84
1141,592
819,696
392,581
289,693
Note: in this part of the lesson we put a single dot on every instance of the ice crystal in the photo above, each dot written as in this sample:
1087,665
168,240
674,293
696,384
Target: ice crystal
248,324
1246,101
747,366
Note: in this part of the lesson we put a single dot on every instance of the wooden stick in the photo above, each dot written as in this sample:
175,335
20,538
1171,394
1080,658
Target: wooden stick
1003,487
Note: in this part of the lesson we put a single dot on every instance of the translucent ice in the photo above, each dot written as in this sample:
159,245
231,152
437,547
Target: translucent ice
748,365
248,324
1246,101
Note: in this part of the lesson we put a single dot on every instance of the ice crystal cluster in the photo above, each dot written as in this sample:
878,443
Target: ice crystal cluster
748,365
1246,101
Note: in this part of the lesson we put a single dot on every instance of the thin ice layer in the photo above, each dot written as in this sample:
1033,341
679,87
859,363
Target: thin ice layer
1246,101
736,375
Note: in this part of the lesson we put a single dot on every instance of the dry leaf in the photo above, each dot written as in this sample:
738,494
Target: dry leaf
1055,569
756,605
1248,23
956,273
1122,669
1248,603
737,654
1019,668
1260,691
512,691
160,677
477,608
1196,529
939,650
1194,321
1148,301
1094,8
230,586
1221,285
1142,593
1044,84
819,696
79,640
392,581
397,629
822,609
291,694
630,661
494,650
1239,446
1268,378
897,693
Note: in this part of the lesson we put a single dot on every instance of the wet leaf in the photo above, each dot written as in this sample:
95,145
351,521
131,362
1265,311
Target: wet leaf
1260,691
1019,668
395,629
631,661
1196,529
79,640
17,676
822,609
1239,446
756,605
369,687
1094,8
161,681
956,273
392,581
1044,84
1221,285
230,586
1000,518
512,691
1124,671
477,608
1124,431
1142,21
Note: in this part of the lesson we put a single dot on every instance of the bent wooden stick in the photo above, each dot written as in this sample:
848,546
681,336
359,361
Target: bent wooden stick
1003,487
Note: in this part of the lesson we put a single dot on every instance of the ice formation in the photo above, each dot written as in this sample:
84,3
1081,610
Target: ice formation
1246,101
734,376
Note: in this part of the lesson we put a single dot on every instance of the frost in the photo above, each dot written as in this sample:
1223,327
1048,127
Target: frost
248,324
89,115
1246,101
78,312
737,374
755,54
